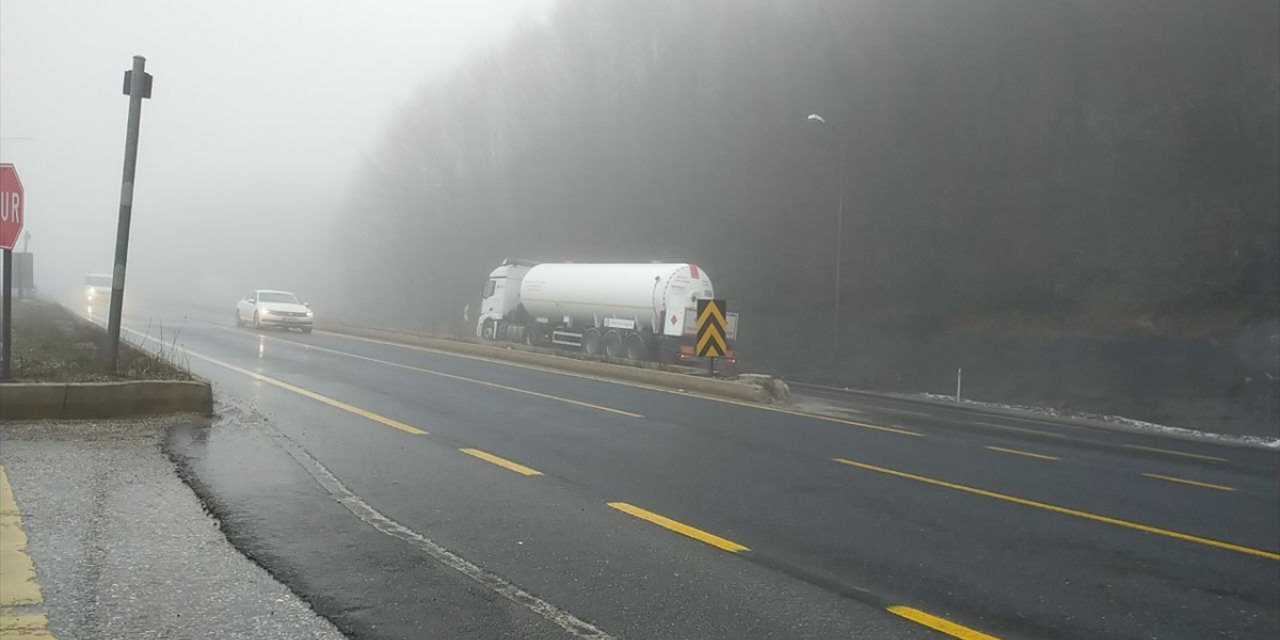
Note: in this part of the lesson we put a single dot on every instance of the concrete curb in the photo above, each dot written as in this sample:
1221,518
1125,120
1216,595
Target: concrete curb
754,391
67,400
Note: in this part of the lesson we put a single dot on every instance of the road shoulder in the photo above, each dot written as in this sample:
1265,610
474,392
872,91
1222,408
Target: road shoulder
125,550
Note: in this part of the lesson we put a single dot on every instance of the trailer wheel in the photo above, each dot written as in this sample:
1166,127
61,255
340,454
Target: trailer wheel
591,342
635,347
529,339
613,344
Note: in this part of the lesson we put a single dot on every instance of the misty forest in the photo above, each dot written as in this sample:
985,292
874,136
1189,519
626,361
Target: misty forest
1078,203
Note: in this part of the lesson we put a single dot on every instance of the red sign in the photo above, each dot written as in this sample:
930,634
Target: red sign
11,206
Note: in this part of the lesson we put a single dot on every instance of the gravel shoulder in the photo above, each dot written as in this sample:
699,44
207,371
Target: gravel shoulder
124,549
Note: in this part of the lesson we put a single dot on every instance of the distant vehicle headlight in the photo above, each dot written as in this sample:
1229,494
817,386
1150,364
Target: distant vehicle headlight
91,292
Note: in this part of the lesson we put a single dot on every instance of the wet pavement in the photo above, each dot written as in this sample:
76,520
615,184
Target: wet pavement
123,547
409,493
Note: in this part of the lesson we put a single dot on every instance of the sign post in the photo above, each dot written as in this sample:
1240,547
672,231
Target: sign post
711,342
137,85
12,215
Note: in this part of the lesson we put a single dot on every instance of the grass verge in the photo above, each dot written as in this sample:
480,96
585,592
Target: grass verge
51,344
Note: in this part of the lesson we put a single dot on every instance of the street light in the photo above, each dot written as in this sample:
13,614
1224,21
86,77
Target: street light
835,320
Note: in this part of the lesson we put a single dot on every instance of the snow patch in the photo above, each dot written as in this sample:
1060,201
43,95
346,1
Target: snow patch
1121,421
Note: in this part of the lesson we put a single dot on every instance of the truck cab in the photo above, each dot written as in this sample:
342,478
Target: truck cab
501,296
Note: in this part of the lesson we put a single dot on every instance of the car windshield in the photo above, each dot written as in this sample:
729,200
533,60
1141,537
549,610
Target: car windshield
97,281
277,296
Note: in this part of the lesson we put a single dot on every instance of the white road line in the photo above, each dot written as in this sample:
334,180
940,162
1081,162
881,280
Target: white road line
572,624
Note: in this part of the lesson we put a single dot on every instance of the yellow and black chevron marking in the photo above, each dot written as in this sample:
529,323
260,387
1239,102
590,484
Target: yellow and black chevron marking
711,329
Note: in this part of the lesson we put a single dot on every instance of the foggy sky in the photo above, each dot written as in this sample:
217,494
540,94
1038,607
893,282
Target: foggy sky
261,112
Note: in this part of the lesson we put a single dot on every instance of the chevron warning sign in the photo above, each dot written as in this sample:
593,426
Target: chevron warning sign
711,329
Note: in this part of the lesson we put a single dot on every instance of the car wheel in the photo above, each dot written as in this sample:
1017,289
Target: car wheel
239,323
306,329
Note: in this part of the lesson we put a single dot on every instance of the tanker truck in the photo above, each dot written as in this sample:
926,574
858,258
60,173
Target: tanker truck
633,311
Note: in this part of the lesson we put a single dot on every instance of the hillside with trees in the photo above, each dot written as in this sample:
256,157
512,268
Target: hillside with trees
1079,202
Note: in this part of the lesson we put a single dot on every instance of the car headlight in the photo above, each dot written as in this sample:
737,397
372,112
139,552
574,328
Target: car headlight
265,312
311,314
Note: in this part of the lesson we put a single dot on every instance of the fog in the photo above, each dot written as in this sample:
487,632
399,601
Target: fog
1077,203
260,114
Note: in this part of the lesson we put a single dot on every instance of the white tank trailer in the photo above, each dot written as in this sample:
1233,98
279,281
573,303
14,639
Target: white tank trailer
633,311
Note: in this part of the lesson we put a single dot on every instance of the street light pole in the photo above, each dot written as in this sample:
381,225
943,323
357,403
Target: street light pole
835,316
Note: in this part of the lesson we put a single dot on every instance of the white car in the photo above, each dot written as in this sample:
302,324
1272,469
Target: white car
97,289
267,308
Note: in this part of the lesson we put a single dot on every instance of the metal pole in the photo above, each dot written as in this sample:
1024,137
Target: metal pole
6,335
959,376
137,79
835,317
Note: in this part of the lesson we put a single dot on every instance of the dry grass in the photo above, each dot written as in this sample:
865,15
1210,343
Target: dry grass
50,344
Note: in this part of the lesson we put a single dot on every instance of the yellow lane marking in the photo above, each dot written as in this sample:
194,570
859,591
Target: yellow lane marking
1022,453
679,527
12,538
364,413
1194,483
19,586
1175,453
625,383
1271,555
940,624
1021,430
502,462
24,626
486,383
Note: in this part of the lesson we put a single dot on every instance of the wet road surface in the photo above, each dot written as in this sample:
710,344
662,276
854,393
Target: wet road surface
122,547
409,493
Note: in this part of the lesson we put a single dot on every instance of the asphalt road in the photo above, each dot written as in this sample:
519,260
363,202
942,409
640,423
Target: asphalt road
407,493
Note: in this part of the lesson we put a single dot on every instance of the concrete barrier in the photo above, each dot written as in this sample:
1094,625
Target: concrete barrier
26,401
59,400
754,390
